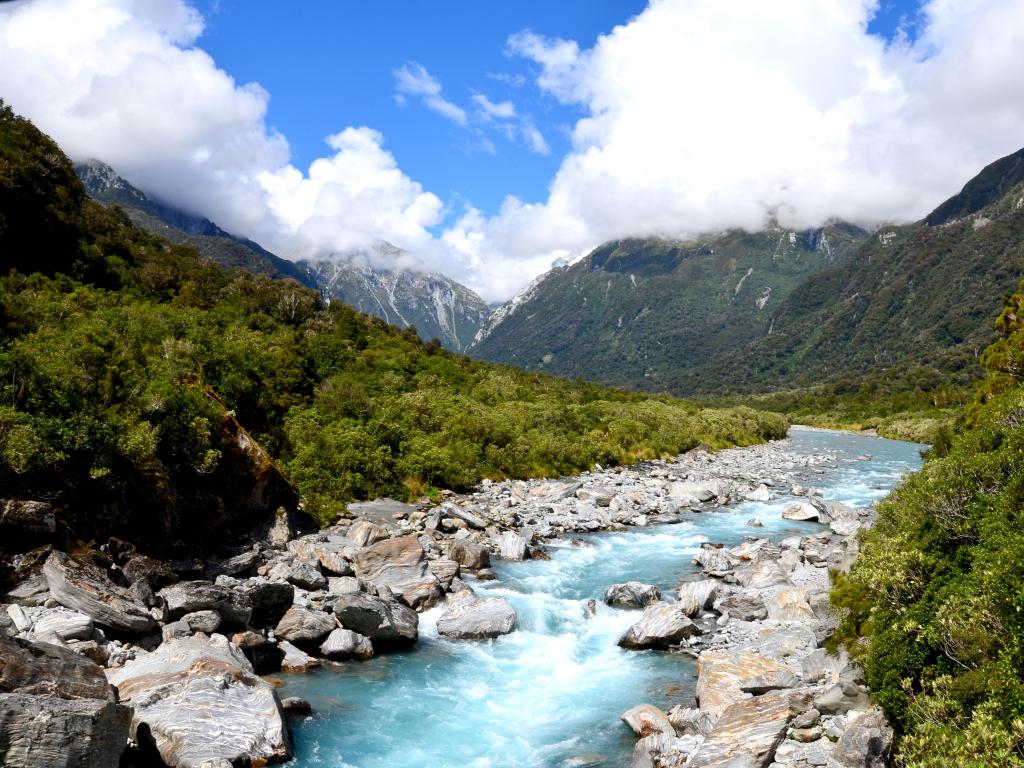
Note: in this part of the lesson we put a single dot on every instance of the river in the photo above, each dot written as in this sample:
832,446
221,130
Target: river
550,694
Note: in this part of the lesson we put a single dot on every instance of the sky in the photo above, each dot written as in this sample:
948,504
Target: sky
489,140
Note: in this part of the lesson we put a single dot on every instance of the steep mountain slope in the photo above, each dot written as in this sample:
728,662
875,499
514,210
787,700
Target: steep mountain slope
437,306
104,185
635,311
432,303
916,295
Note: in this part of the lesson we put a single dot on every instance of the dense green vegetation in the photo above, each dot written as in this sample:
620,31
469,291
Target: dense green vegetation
634,312
936,600
125,362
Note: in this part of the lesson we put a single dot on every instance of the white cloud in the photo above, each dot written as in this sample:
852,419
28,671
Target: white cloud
701,115
697,115
502,110
413,79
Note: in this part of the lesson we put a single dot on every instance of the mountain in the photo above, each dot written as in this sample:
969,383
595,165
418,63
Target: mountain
912,296
104,185
437,306
633,312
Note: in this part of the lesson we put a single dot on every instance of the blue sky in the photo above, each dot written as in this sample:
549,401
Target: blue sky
329,65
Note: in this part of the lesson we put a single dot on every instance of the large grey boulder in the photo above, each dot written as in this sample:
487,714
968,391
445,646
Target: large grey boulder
270,599
184,597
469,554
38,731
800,510
346,644
307,576
721,676
512,546
38,623
50,670
85,588
305,625
647,719
475,618
748,732
401,565
199,701
363,533
866,742
695,596
745,605
385,622
660,626
632,594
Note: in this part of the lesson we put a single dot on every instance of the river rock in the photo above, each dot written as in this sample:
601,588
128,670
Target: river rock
199,700
86,588
184,597
789,605
40,731
695,596
599,496
685,491
715,562
363,533
842,697
469,554
346,644
456,512
386,623
748,732
721,675
33,518
45,669
745,605
647,719
305,625
691,721
33,591
202,621
866,743
63,623
512,546
800,510
270,599
296,705
773,680
468,617
445,571
343,585
760,574
761,493
306,576
632,594
152,570
401,565
233,566
661,625
295,659
663,750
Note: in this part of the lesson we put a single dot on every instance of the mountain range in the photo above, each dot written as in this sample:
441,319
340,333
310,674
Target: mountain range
742,312
435,305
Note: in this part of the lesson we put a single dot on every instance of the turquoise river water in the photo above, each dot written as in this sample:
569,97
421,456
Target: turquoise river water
550,693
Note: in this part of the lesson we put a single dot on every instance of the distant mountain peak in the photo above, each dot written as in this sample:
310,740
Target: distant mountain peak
989,186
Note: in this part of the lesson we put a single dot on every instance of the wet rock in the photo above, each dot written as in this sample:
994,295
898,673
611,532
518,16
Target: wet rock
866,743
86,588
754,522
647,719
234,608
696,596
468,617
512,546
386,623
632,594
469,554
295,705
401,565
761,493
305,625
346,644
199,700
37,731
748,732
789,605
660,626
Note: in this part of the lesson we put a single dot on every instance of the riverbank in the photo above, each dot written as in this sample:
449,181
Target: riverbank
399,577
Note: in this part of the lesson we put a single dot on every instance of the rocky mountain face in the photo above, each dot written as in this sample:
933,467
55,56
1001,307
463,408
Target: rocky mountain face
437,306
635,311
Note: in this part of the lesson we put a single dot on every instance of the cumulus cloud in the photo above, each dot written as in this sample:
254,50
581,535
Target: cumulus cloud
701,116
413,79
695,116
